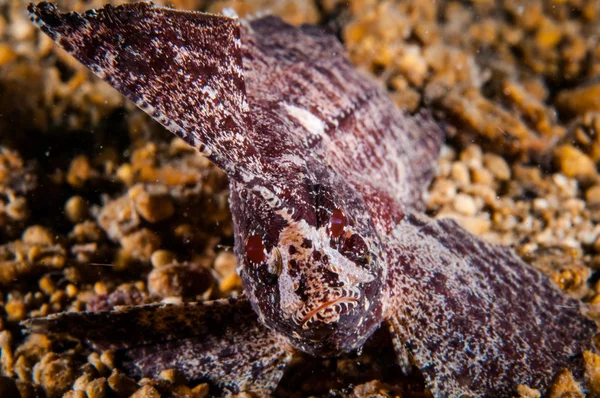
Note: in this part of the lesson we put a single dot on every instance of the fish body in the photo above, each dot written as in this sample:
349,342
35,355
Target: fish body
327,179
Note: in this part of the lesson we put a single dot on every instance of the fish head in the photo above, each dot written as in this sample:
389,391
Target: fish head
314,275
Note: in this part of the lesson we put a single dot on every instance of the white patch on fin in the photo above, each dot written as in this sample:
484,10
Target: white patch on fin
309,121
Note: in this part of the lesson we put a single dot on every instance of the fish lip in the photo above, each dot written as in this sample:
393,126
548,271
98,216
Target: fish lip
344,299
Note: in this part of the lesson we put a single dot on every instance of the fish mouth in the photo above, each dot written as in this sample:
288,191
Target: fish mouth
341,300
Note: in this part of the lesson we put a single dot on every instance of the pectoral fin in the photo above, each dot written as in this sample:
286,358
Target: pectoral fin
219,342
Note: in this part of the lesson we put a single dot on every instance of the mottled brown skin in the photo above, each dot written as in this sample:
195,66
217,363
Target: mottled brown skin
220,342
326,179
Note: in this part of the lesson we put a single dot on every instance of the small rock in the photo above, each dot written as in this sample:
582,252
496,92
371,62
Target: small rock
15,310
29,390
100,288
141,244
160,258
497,166
119,218
476,225
125,295
97,388
71,290
592,195
122,385
47,285
472,156
108,358
580,100
80,171
201,390
465,204
152,207
94,359
146,391
232,282
179,280
75,394
573,163
564,385
54,374
592,370
38,235
76,209
460,173
172,375
526,392
225,264
81,382
540,204
483,176
7,357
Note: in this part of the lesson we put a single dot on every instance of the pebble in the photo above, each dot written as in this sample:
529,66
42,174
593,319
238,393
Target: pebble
580,100
79,171
17,209
472,156
160,258
71,290
565,385
201,390
47,285
125,173
482,176
179,280
122,385
6,54
15,310
94,359
172,375
592,195
573,163
101,289
526,392
97,388
146,391
152,207
76,209
108,358
592,370
540,204
54,374
465,204
497,166
119,217
141,244
38,235
230,283
225,264
460,173
75,394
596,245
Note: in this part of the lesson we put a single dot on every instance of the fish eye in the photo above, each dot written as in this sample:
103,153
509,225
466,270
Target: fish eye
255,249
337,223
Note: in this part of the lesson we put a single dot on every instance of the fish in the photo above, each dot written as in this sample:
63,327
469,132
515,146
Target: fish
327,180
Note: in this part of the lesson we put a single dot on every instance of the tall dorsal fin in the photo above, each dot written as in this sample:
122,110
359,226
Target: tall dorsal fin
183,68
